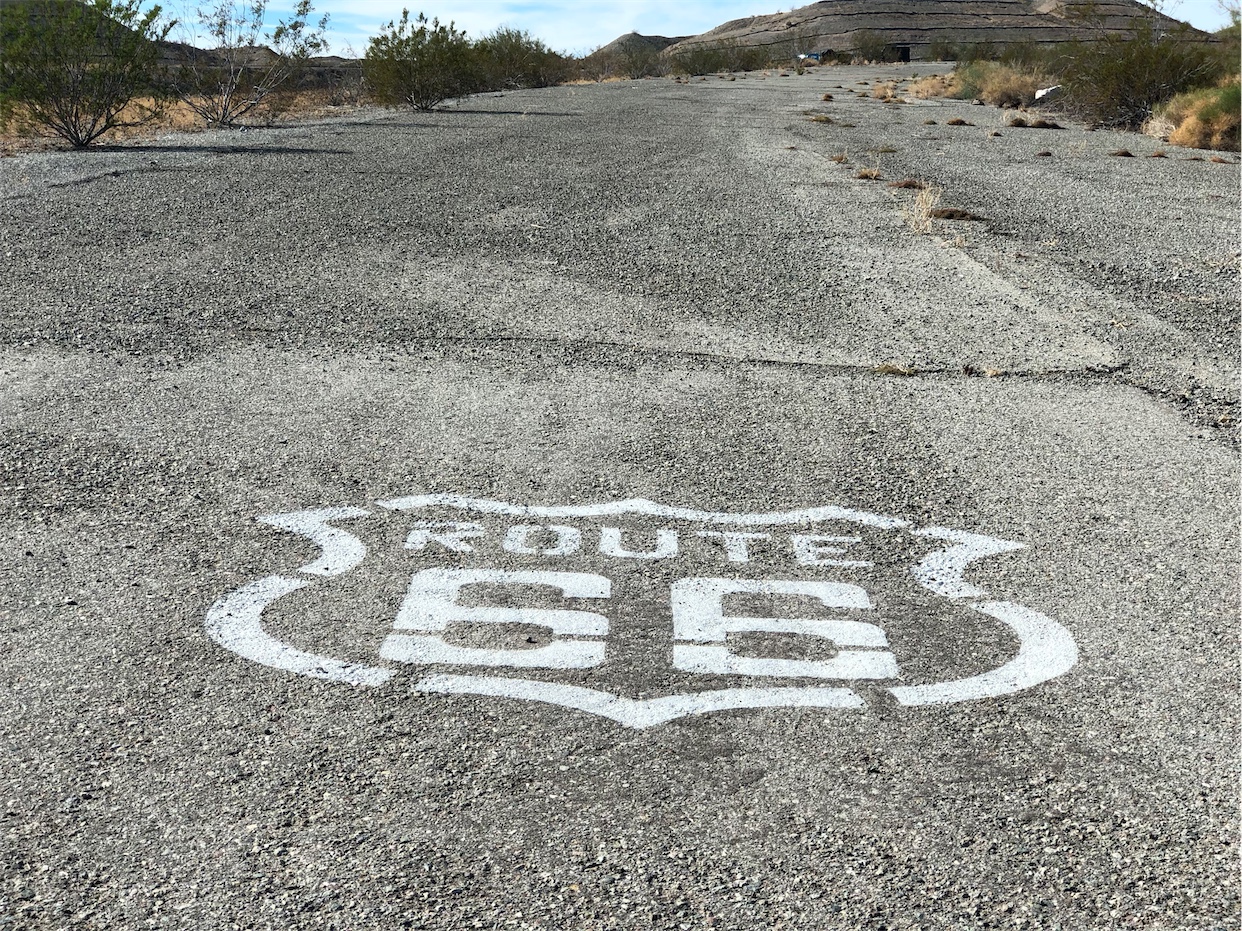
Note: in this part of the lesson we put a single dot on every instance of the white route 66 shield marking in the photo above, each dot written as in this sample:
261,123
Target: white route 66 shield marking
700,625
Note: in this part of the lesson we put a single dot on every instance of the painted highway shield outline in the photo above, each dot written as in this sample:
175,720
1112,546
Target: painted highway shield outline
1047,650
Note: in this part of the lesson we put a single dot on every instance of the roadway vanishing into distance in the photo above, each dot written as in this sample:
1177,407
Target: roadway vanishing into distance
598,507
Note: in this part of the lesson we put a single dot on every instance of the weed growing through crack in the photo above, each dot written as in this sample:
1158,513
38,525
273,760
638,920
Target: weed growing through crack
918,214
869,174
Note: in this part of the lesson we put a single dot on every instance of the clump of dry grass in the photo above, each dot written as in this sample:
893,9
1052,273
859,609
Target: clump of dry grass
918,214
1044,154
869,174
908,184
821,118
892,368
886,93
840,158
826,97
1122,153
1207,119
1159,153
934,85
930,123
958,121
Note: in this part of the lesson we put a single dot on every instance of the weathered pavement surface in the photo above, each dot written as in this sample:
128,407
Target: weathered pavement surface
459,340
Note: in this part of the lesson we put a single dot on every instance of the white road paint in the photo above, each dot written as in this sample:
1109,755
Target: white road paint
1047,650
813,549
640,713
452,535
431,605
943,571
643,506
698,617
342,551
236,623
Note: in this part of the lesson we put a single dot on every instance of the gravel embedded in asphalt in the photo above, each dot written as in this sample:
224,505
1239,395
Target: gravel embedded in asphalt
590,294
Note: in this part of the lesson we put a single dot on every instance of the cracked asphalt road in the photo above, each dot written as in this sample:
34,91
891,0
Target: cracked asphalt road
809,680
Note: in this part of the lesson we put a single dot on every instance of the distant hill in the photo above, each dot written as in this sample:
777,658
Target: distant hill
911,26
632,43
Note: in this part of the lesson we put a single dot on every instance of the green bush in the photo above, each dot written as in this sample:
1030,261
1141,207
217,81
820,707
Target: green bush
74,69
512,58
420,65
1119,80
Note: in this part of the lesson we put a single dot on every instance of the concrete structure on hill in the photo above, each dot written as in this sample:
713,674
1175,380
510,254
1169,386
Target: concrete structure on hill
912,29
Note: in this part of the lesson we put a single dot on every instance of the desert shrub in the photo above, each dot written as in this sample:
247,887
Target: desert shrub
703,59
420,64
1024,54
596,66
636,60
75,69
1121,79
239,76
870,46
1207,118
513,58
998,84
727,55
942,50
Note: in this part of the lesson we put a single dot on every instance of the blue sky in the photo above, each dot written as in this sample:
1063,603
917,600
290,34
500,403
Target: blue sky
578,27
